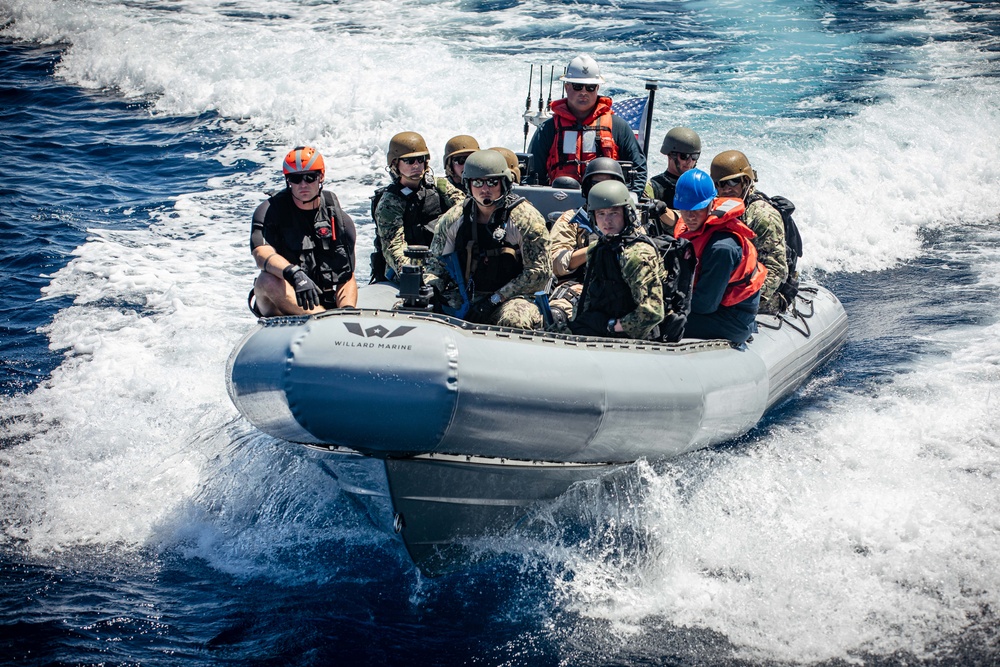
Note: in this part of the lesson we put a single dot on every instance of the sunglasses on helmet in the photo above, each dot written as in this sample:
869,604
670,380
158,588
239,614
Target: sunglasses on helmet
309,177
591,87
686,156
489,182
419,159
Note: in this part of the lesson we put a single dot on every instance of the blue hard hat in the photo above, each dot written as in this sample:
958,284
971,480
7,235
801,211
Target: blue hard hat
695,191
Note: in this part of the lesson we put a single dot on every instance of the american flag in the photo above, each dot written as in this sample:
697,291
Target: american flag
633,110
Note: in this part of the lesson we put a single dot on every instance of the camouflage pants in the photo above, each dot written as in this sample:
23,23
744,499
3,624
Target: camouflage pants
519,313
774,305
564,297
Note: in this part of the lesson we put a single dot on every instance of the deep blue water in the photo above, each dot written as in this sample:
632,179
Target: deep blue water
73,160
143,522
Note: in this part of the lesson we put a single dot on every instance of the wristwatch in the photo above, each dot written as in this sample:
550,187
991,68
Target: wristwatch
495,299
611,325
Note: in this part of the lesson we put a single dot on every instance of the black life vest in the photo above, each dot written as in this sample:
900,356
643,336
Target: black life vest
604,289
609,295
423,206
793,241
664,188
488,262
322,248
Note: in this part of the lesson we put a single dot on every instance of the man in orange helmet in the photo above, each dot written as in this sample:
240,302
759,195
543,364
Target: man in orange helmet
303,243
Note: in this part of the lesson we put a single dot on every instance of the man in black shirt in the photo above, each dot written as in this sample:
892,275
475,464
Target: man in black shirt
303,243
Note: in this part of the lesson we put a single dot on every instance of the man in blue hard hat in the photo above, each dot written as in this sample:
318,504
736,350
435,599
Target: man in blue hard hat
729,277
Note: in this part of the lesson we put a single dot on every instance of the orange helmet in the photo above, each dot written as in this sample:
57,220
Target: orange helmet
302,159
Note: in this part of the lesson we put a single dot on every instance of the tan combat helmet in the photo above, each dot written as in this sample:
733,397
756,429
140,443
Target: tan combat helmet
462,144
511,159
681,140
405,144
731,164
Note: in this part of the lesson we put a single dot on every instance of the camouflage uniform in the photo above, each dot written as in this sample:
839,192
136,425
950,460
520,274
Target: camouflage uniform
642,270
766,223
527,232
450,190
389,221
566,238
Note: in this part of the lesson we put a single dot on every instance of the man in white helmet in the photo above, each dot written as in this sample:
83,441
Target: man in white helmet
582,128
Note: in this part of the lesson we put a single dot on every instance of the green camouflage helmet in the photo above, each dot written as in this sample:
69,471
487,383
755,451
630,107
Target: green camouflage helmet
681,140
487,164
608,194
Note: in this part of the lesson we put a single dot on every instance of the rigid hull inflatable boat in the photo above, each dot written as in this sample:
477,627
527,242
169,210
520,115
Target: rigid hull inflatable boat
450,430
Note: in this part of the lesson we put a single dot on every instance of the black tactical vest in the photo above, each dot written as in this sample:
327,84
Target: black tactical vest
316,240
605,290
664,187
488,263
423,206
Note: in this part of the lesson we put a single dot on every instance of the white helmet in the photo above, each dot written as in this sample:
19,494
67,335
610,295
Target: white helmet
582,69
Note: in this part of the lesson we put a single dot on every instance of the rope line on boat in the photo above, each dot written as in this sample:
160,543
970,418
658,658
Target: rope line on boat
796,314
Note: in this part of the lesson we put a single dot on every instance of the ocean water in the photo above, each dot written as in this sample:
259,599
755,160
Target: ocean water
143,522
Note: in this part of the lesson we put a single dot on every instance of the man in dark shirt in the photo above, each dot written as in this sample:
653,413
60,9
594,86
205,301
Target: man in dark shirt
581,128
303,243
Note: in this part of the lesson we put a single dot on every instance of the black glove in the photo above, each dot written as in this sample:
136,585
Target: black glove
657,208
480,311
306,291
672,327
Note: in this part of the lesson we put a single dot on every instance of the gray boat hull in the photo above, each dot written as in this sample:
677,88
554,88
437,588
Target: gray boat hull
470,425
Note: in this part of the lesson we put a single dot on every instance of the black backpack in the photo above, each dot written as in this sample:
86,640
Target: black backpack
680,263
793,242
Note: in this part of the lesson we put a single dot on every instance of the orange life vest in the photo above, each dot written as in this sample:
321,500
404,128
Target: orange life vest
574,164
749,275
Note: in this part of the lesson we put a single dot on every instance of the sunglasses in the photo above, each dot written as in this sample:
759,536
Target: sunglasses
420,159
310,177
687,156
732,182
489,182
591,87
460,159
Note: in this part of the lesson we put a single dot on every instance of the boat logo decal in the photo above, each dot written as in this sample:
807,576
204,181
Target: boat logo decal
560,195
377,331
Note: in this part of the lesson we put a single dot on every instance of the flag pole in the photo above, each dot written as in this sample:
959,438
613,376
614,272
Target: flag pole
651,86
